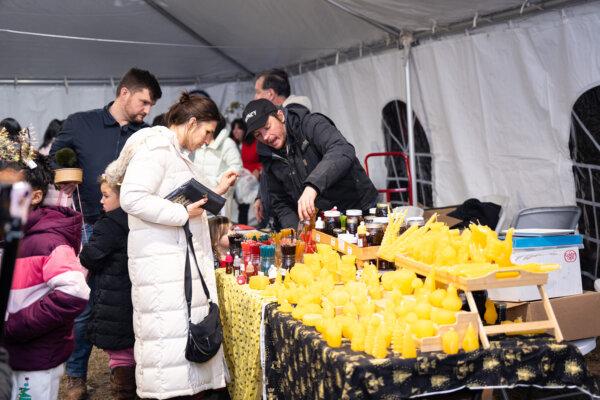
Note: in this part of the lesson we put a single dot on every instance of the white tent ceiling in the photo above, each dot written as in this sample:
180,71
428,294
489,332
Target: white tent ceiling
208,40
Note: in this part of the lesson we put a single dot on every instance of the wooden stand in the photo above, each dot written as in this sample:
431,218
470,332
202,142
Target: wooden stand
363,254
509,277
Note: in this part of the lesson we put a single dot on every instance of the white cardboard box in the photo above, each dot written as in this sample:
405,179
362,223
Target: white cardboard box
562,250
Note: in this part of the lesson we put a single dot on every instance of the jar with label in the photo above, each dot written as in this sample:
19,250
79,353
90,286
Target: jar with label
235,243
375,234
288,253
353,220
332,221
382,210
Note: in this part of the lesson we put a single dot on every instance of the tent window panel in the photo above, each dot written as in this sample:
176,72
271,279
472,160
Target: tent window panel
396,139
582,183
584,145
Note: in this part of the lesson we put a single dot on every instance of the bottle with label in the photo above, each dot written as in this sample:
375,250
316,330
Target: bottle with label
228,264
267,257
319,225
361,233
249,270
236,265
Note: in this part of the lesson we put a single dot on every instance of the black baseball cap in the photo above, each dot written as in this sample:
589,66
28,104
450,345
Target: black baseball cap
257,113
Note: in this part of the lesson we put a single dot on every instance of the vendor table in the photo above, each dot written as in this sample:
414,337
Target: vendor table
241,310
300,365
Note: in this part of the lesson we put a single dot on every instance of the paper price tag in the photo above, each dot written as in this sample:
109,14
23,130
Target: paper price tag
318,238
332,242
350,250
341,244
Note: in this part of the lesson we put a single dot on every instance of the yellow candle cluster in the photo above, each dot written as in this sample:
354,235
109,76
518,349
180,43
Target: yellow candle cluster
474,252
374,312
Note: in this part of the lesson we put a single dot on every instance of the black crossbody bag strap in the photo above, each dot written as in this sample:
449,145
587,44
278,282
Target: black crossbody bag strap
188,271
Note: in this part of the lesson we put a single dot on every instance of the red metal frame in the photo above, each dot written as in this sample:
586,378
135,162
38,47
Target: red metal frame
388,192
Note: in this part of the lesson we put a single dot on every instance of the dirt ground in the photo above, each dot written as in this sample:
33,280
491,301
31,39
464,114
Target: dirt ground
98,381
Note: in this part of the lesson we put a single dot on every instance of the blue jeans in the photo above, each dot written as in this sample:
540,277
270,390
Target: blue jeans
77,363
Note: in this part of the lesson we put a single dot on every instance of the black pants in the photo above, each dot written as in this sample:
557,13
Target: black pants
243,213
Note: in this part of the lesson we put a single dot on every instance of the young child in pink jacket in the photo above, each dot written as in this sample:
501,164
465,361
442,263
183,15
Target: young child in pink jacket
48,291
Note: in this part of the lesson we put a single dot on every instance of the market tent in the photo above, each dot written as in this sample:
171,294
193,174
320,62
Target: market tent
495,101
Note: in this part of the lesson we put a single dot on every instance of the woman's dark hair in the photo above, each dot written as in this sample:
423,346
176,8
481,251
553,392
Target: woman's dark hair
159,120
52,131
41,176
239,122
12,127
202,108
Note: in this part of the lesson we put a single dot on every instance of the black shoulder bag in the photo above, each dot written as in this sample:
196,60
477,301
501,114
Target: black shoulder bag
204,338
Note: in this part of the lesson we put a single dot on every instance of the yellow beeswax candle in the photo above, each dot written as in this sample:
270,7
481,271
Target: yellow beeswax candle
450,342
470,341
409,348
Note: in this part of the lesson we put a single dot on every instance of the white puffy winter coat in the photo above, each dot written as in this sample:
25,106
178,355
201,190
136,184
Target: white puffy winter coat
214,160
156,250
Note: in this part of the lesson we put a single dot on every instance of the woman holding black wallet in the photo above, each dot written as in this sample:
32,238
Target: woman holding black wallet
155,163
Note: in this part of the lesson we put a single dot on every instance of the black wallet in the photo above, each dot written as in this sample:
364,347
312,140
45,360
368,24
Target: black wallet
192,191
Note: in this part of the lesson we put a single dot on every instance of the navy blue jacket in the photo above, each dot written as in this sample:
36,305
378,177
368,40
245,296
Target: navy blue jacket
97,139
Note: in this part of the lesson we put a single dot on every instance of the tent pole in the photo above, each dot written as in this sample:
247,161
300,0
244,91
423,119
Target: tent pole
407,41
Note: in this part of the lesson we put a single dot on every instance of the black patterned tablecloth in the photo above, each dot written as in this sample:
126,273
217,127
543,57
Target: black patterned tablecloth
300,365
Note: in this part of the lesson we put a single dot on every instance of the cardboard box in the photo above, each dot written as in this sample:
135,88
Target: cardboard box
575,314
561,250
442,215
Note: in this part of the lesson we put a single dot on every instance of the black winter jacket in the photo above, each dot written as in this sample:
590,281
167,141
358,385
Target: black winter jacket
318,155
105,256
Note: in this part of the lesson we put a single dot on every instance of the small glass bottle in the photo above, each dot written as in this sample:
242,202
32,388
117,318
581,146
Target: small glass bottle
236,265
228,264
361,233
319,225
267,258
288,254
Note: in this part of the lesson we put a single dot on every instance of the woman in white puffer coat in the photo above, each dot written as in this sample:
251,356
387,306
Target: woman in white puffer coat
219,156
156,162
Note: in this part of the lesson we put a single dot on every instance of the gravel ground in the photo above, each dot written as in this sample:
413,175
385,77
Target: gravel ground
98,381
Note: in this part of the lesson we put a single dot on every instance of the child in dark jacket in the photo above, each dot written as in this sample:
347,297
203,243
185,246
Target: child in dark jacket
48,291
105,255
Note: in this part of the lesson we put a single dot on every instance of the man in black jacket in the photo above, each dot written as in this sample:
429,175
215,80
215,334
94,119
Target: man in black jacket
312,166
98,136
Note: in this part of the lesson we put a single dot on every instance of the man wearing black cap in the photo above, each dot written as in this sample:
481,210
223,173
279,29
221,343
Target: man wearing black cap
313,166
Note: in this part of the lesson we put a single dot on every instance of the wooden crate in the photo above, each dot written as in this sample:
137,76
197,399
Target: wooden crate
494,280
489,281
362,253
463,319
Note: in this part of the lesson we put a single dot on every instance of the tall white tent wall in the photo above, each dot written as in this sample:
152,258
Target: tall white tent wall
498,108
495,105
37,105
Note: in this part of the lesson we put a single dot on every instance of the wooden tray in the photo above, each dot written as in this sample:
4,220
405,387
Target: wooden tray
361,253
463,319
492,280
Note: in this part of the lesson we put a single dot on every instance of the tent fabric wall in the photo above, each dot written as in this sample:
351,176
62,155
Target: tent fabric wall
495,105
36,106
